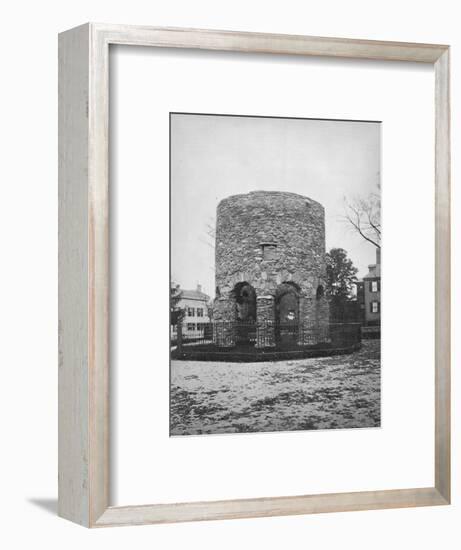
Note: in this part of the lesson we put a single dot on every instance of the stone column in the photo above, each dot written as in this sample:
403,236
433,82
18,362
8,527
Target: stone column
307,327
265,321
322,319
304,334
224,322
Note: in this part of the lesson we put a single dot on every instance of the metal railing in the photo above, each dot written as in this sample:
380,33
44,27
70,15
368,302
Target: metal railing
269,334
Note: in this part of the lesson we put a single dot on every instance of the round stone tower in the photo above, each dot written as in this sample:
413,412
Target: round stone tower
270,269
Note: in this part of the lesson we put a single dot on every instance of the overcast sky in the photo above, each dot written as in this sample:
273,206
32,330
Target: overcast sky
213,157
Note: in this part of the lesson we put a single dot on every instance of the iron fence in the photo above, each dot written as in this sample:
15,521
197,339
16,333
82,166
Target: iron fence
268,334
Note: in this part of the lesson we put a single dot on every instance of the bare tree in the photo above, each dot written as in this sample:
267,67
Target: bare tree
364,215
209,236
176,312
209,233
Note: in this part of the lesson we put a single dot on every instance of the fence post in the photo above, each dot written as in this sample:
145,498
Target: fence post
179,337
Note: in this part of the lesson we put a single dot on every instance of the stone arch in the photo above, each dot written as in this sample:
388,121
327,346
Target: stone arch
244,329
321,306
320,292
287,312
244,296
287,302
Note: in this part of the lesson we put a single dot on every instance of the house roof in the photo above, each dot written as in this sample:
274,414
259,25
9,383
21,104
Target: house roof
194,295
374,271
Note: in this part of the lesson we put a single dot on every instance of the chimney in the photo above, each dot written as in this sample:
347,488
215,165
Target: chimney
378,256
199,288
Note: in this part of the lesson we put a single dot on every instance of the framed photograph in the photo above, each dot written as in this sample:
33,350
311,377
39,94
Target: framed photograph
280,295
254,275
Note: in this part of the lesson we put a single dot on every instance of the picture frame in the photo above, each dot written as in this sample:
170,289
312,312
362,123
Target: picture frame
84,292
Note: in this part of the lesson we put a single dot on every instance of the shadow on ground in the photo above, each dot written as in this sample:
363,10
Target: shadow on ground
50,505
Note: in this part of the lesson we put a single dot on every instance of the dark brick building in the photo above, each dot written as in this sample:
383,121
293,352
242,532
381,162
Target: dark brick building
372,292
369,294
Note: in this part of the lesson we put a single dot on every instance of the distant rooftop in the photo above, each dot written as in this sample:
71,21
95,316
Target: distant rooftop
196,294
373,271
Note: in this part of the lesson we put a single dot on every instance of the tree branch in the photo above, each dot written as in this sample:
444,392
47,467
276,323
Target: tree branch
357,226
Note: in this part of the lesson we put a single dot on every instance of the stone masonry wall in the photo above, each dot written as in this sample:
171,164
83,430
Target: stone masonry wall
267,238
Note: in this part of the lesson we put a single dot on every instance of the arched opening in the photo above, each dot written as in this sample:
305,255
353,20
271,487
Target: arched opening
287,313
245,303
245,313
320,292
321,313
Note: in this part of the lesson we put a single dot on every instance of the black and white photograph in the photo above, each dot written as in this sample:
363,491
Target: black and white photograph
254,157
275,290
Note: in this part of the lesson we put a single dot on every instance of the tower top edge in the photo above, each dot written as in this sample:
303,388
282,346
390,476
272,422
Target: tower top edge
260,194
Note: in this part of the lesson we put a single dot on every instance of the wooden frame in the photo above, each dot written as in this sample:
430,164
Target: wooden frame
84,274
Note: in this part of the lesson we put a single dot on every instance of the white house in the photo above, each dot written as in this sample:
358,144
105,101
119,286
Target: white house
195,304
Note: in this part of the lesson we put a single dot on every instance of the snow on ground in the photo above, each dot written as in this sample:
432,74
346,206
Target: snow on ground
305,394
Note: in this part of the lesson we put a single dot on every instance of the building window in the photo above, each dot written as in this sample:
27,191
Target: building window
374,307
374,286
200,312
190,312
190,326
269,251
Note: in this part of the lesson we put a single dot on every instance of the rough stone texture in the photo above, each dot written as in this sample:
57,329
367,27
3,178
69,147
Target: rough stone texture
265,307
274,242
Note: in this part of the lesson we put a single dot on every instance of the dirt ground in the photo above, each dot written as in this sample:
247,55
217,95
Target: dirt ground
306,394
